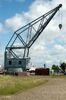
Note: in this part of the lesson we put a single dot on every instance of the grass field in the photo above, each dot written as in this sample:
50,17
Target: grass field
11,84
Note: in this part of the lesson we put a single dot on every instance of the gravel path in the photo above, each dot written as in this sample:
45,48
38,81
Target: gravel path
55,89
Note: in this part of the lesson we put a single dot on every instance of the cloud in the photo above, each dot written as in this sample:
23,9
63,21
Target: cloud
35,10
15,22
1,56
58,47
45,49
1,28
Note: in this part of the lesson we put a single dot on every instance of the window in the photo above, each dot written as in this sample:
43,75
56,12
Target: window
20,62
10,62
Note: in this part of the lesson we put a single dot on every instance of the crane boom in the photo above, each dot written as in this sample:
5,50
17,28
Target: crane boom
38,32
43,25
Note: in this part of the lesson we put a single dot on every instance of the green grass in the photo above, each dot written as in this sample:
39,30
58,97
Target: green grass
11,85
57,76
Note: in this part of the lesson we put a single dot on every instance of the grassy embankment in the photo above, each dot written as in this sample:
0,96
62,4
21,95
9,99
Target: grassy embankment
11,85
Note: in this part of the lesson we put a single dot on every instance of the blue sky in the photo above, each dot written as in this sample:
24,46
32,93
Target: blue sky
9,8
51,45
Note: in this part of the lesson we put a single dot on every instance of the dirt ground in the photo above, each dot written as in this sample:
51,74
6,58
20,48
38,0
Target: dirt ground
54,89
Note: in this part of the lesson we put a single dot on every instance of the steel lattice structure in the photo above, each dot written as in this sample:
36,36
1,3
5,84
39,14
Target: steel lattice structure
27,35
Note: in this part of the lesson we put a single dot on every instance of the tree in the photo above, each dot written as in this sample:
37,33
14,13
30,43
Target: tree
55,68
63,66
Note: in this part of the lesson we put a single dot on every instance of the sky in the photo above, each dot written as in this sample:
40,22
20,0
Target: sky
50,47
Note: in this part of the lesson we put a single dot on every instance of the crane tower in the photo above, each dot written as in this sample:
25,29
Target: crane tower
17,50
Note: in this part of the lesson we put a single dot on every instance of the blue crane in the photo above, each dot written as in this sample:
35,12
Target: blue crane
27,35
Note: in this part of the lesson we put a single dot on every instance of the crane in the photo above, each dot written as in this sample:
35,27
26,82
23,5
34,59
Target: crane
27,35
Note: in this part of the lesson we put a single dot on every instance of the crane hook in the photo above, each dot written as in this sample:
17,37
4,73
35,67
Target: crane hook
60,26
